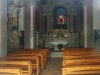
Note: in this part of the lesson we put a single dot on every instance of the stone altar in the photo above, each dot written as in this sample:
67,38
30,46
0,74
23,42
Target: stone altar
56,43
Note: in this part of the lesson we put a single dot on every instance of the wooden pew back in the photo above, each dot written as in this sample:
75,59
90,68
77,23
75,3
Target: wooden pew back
10,71
34,61
22,64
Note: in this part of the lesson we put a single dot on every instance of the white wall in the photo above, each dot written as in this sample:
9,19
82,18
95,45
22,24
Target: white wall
3,27
96,14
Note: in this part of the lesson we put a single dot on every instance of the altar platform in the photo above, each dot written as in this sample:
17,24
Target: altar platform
55,53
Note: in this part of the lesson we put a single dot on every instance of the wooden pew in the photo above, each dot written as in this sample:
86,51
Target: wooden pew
44,54
66,49
32,52
80,53
22,64
34,61
81,57
81,61
81,69
82,49
45,51
40,55
10,71
81,66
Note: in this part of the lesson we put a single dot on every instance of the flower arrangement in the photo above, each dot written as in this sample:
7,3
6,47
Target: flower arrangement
40,46
60,46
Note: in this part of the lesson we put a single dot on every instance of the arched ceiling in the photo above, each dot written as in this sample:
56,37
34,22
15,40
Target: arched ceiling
43,2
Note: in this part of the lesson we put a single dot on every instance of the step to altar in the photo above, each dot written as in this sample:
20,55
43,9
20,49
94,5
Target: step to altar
55,54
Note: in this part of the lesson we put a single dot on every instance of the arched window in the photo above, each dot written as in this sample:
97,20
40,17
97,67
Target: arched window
59,17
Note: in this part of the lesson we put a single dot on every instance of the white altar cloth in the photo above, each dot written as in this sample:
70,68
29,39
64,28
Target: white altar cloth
56,43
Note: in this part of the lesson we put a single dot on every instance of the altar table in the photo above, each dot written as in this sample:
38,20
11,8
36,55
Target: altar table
56,43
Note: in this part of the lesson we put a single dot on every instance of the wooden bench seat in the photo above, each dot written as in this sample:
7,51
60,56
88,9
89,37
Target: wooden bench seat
46,52
81,61
81,57
34,61
43,54
10,71
80,54
40,55
81,50
81,69
22,64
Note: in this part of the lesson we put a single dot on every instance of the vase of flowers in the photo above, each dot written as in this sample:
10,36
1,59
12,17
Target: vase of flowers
60,46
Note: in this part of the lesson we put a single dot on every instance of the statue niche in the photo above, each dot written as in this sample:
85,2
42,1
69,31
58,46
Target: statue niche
59,35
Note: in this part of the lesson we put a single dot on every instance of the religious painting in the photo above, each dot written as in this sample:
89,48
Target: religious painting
61,19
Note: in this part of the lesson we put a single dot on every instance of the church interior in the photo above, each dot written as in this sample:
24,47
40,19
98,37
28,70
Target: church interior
49,37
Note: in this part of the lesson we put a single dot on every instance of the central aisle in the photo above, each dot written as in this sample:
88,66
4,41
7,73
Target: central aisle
53,67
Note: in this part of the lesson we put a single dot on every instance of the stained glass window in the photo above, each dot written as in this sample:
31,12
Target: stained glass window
61,19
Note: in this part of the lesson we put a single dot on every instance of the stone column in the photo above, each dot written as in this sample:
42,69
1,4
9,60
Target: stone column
41,27
49,23
71,23
27,26
3,27
43,23
52,22
22,19
67,23
33,24
32,33
88,23
85,23
76,24
0,28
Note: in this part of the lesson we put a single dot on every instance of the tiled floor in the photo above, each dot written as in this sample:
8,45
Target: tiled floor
53,67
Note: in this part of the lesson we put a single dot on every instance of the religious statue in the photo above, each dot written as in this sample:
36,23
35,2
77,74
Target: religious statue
59,35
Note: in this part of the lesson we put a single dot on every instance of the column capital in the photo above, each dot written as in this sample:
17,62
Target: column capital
84,2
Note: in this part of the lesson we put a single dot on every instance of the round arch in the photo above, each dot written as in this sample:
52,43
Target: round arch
60,4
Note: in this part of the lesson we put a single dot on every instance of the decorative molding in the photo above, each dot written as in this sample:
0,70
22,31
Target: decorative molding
13,23
60,4
38,4
67,4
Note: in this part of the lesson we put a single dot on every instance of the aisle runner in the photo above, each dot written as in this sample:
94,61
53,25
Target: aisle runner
53,67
